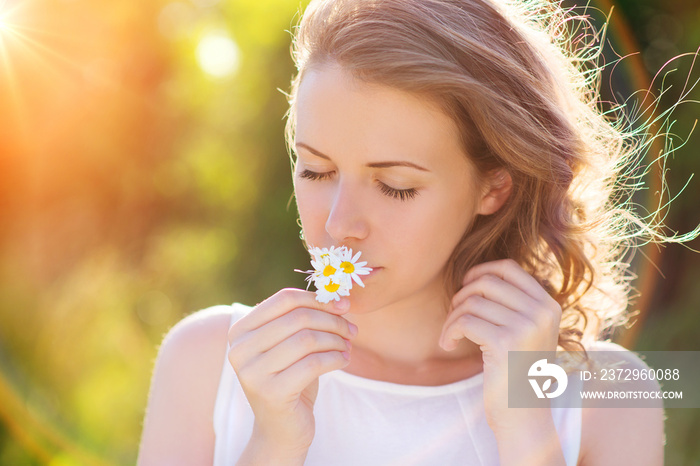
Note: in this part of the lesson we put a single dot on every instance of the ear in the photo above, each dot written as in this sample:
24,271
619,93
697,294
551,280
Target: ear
495,192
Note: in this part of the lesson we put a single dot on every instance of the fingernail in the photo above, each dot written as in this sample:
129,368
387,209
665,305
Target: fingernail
348,344
353,329
445,344
346,355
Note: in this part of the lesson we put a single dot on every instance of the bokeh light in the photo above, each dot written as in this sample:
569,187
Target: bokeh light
217,54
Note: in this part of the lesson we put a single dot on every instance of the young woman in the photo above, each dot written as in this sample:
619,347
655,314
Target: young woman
458,146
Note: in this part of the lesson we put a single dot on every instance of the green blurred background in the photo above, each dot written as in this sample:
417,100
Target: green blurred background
144,176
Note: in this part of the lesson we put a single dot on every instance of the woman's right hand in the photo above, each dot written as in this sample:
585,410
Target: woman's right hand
278,352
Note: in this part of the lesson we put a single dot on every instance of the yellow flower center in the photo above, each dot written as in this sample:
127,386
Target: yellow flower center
348,267
332,287
329,270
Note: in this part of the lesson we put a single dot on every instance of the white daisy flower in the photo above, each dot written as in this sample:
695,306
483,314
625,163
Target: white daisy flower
325,262
331,292
334,272
353,269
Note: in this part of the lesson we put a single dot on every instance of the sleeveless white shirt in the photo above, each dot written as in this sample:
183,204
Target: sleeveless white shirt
364,422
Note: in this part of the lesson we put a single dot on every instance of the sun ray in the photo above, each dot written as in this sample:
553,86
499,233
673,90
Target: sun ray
41,51
7,13
32,58
10,91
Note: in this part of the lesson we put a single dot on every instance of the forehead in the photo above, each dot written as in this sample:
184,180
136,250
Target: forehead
337,114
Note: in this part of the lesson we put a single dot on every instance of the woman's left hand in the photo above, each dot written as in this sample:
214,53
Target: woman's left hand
501,308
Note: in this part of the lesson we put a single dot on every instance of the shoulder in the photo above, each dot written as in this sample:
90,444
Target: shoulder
178,425
622,435
201,332
196,343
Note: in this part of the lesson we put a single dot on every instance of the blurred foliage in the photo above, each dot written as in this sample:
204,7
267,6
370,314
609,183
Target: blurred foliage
144,175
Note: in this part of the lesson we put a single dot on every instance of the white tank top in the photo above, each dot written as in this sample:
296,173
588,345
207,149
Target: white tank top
368,422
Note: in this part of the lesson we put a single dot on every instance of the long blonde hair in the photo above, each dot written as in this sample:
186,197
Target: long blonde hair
524,96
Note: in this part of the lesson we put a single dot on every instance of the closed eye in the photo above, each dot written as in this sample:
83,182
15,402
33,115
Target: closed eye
315,176
401,194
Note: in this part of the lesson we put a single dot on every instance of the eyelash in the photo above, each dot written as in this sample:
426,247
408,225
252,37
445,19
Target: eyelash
401,194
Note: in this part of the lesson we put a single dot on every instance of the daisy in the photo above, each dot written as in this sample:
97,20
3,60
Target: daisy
325,262
331,292
334,272
353,269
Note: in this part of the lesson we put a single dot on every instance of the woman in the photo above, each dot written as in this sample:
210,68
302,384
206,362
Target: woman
458,147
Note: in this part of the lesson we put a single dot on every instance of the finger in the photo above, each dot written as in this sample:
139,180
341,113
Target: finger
472,327
263,339
495,289
298,346
511,272
483,308
281,303
257,372
302,373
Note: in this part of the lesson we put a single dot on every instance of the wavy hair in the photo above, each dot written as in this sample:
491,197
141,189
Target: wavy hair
520,80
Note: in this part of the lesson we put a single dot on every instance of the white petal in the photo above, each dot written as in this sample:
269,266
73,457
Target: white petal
322,281
358,280
344,282
315,252
317,265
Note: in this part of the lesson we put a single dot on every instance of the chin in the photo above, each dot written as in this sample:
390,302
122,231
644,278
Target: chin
363,301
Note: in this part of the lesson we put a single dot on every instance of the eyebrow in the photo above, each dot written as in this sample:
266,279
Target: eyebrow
388,164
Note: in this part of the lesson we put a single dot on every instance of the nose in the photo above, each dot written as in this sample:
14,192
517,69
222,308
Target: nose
347,216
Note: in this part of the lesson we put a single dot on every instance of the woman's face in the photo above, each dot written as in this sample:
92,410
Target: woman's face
381,171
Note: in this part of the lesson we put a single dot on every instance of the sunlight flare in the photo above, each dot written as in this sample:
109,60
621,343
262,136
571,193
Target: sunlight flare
218,55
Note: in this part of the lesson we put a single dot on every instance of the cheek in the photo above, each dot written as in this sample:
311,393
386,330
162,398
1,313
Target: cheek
413,236
433,230
312,206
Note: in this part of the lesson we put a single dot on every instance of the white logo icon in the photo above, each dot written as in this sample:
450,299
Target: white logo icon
542,368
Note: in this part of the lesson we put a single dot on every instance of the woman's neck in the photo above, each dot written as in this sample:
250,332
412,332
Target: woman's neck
399,343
